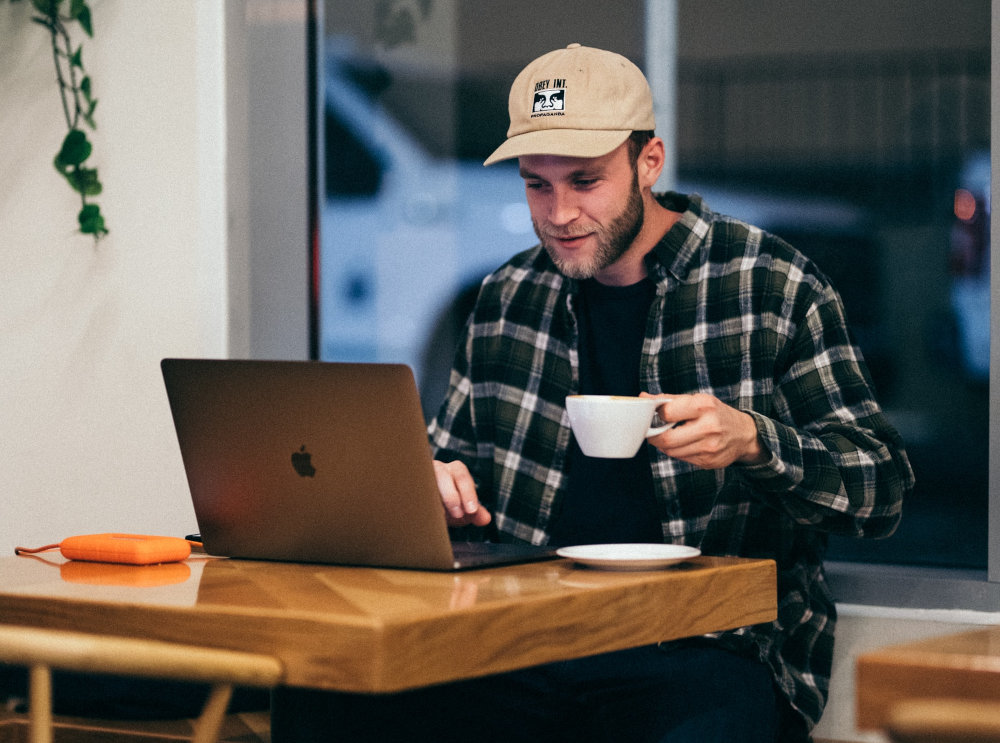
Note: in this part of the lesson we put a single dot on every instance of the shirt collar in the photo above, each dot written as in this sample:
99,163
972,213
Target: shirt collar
677,251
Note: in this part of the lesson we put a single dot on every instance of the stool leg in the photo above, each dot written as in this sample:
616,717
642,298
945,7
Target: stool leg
40,703
208,724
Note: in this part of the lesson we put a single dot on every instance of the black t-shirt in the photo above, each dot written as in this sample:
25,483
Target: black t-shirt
609,500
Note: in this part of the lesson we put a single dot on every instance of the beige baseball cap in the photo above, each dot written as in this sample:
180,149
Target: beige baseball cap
576,102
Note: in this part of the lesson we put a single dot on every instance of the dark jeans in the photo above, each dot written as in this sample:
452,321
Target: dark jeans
675,694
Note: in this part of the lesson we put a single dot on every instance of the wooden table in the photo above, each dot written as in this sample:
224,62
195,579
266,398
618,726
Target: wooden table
964,666
376,630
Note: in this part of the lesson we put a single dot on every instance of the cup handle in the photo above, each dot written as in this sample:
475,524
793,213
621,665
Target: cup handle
657,430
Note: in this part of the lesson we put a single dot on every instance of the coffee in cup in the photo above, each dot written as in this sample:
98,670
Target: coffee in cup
613,426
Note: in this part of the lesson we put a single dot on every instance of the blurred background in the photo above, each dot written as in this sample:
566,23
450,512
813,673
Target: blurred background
858,131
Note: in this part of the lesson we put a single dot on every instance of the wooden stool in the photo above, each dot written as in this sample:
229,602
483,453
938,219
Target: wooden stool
42,650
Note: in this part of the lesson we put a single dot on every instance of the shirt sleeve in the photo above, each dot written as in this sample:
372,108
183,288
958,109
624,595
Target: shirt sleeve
451,433
836,463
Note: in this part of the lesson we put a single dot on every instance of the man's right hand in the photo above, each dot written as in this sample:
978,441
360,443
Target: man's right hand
458,494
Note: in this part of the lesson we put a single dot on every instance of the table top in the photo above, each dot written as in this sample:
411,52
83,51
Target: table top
381,630
964,666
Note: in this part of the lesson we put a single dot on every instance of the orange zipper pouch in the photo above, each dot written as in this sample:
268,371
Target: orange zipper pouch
126,549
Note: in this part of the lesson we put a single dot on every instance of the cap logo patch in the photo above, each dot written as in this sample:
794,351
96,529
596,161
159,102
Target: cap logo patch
550,98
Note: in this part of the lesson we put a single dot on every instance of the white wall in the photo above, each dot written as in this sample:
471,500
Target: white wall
86,442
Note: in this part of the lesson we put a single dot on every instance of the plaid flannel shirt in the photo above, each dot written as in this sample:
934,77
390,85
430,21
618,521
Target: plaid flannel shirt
738,314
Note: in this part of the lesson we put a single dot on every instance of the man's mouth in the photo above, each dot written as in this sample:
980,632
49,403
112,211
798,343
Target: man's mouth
569,241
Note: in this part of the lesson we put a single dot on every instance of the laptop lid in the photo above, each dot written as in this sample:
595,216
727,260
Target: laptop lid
311,462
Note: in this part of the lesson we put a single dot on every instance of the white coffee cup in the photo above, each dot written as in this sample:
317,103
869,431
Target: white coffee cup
613,426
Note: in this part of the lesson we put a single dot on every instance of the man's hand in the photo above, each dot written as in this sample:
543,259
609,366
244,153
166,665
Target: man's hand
458,494
713,434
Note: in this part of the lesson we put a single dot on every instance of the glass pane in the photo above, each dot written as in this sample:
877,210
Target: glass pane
416,99
861,136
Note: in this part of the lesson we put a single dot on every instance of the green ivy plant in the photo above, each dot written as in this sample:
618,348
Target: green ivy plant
78,103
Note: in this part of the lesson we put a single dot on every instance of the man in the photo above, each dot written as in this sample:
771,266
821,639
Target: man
743,338
781,440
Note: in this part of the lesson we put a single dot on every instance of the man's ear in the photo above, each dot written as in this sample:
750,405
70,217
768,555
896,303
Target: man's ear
650,163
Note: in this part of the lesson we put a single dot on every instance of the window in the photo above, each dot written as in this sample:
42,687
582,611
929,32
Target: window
860,136
879,126
414,100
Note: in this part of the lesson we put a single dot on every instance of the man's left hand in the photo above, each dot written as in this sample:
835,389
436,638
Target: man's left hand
709,434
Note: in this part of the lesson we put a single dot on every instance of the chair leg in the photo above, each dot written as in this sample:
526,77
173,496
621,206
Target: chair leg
40,703
209,723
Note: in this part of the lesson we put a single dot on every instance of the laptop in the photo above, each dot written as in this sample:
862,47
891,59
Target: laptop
319,462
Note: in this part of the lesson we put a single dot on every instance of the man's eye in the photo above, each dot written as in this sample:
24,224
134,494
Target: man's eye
585,182
534,185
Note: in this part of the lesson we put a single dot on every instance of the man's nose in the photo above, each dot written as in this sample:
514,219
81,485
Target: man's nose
563,207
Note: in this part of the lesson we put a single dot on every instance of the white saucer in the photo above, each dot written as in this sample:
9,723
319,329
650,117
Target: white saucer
628,556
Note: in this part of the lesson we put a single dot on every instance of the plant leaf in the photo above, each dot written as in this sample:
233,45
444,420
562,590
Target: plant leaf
88,115
92,185
83,180
83,17
46,7
75,149
91,221
77,59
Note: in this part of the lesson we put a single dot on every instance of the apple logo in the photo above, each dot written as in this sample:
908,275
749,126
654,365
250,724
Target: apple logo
302,462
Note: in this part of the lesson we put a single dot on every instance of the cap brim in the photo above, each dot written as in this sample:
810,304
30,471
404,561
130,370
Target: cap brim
562,142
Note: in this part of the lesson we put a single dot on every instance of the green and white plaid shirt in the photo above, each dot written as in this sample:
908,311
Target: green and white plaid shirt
738,314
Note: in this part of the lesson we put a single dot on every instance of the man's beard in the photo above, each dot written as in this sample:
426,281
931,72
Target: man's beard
613,241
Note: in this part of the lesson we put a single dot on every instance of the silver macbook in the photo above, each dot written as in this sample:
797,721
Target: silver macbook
315,462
